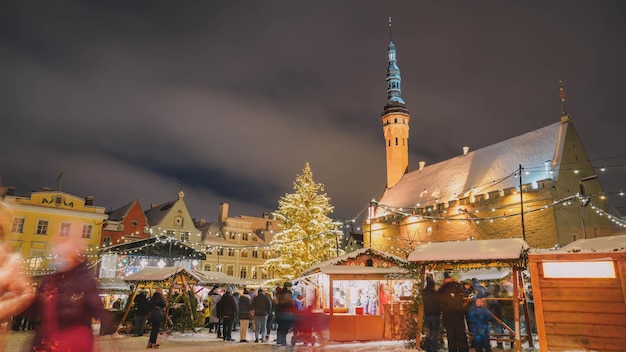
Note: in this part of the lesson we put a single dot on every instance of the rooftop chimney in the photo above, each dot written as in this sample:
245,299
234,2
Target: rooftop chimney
465,150
223,212
422,164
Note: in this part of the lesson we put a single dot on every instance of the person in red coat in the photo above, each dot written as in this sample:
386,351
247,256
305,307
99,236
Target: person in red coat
66,302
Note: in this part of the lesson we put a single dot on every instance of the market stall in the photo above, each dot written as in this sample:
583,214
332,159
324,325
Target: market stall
176,281
358,293
580,295
461,256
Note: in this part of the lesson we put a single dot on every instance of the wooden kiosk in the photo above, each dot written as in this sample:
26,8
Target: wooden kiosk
168,278
358,293
507,253
580,295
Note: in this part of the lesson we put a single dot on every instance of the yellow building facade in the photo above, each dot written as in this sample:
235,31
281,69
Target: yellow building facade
48,216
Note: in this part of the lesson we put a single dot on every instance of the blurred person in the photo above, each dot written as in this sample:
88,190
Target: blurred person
244,313
66,302
453,313
226,310
262,307
432,315
214,320
284,313
142,307
479,318
157,307
16,292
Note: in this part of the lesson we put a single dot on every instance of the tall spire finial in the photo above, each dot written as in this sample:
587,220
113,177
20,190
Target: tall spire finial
394,95
562,94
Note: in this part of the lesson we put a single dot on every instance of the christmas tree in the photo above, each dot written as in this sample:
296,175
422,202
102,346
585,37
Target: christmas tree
308,235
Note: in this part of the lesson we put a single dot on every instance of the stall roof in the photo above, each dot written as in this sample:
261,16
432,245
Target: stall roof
158,274
485,274
608,244
216,277
113,285
352,255
161,246
504,249
369,270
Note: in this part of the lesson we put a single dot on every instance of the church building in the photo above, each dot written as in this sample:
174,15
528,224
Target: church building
539,186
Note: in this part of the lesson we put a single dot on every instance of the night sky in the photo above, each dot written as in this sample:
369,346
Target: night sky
127,97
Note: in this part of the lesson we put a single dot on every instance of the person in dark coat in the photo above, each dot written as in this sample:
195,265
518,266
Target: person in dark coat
142,308
432,315
226,310
244,307
262,307
66,302
157,306
284,313
453,314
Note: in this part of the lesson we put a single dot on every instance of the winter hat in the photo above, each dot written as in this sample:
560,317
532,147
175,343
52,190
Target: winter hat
260,290
229,289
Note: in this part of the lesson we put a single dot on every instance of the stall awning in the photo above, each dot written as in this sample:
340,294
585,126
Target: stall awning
485,274
158,274
217,278
505,249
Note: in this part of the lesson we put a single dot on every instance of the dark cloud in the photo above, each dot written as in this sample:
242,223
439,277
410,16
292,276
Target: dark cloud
125,97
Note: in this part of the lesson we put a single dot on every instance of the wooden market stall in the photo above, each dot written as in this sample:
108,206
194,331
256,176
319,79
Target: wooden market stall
169,279
359,294
505,254
580,295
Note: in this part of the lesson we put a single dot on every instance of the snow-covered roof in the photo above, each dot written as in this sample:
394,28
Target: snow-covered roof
504,249
367,270
159,274
485,274
216,277
328,266
481,171
608,244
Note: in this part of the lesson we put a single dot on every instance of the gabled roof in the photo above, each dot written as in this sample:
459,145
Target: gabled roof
481,171
120,213
503,249
329,266
159,274
156,214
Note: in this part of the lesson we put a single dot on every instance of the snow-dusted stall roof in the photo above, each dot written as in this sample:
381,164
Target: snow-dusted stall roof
608,244
338,265
485,274
503,250
159,274
216,277
480,171
358,270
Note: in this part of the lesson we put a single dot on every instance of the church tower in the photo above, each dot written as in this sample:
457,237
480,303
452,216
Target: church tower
395,120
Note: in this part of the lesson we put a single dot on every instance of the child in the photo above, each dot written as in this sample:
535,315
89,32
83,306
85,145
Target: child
479,317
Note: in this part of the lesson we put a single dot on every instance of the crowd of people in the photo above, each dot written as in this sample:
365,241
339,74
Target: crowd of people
257,312
468,306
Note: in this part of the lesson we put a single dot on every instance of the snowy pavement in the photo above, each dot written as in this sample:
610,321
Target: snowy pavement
203,341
